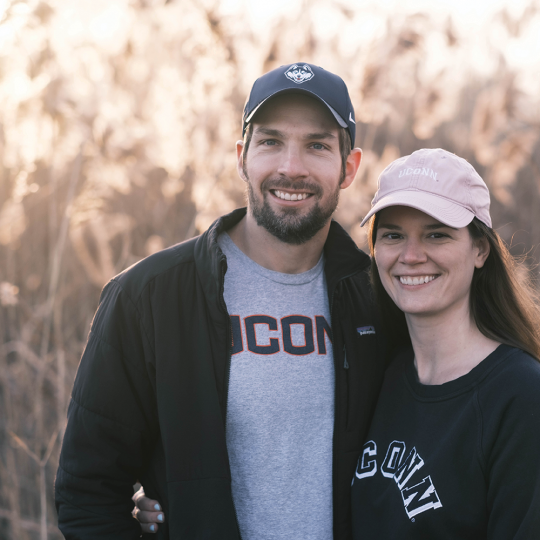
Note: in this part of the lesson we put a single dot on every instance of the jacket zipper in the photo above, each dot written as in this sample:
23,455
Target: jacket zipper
336,384
336,377
229,361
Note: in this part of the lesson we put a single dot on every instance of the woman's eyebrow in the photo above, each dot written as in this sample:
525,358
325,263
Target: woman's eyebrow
435,226
431,227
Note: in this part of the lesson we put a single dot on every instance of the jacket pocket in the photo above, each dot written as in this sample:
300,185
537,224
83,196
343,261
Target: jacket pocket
201,509
361,370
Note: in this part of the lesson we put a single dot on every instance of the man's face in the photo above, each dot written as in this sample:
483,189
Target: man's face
293,168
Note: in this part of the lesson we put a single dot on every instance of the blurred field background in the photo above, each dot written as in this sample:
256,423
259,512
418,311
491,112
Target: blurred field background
117,128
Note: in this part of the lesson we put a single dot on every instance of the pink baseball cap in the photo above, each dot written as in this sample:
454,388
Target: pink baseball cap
436,182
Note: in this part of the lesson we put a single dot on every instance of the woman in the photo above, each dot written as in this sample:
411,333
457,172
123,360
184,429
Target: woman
454,446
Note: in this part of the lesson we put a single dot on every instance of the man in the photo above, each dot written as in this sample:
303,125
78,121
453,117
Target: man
235,374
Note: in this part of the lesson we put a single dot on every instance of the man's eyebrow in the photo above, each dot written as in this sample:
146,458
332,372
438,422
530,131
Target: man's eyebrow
320,135
269,132
279,134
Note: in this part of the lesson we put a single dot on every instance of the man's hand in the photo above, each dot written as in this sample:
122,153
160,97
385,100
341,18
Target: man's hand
147,512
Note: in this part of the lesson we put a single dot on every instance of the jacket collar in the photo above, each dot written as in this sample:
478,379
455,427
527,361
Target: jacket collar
210,261
342,256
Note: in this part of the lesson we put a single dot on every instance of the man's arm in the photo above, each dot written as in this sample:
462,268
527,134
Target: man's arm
112,425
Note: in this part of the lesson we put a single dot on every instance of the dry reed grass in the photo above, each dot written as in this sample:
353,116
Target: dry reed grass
114,148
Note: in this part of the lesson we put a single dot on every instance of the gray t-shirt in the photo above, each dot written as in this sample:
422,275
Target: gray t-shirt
280,410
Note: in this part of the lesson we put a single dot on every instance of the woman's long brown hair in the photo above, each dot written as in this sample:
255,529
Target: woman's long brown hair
503,301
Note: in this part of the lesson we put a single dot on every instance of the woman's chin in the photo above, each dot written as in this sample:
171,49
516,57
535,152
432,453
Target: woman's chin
420,310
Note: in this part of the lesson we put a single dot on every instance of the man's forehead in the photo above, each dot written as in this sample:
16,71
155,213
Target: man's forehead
294,106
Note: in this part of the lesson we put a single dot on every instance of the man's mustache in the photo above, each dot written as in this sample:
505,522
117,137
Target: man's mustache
286,183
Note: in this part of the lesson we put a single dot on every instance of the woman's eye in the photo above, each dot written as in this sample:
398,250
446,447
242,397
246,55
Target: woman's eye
391,236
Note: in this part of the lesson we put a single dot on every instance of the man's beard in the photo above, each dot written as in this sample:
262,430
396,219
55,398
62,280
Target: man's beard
289,226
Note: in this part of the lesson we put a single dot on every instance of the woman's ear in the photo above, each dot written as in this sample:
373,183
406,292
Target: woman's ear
482,246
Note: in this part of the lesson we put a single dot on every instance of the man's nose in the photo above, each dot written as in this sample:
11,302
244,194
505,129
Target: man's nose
413,252
292,163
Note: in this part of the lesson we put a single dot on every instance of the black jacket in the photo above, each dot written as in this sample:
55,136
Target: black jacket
150,396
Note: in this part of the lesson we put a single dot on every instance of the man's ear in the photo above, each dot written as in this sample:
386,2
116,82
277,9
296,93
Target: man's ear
351,168
240,160
482,245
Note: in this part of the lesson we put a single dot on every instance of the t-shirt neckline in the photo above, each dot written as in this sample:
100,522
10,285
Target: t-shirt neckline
228,246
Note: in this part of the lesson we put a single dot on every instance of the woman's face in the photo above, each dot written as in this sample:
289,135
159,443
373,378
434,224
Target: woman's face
426,267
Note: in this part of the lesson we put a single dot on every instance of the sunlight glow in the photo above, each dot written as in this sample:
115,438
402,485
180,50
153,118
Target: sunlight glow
118,122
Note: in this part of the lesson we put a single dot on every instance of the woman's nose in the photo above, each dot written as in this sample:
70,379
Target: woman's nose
413,252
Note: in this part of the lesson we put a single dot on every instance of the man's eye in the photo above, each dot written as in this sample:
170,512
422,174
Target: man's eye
318,146
269,142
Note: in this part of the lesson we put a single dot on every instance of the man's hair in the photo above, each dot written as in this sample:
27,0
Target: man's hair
344,147
503,302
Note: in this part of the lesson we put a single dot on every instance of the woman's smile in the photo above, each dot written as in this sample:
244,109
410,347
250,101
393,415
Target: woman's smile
425,266
416,280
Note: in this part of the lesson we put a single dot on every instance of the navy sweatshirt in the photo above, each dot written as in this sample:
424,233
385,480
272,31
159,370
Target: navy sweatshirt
456,460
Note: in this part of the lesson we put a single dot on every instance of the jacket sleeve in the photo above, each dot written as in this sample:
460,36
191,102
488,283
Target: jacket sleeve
513,459
112,425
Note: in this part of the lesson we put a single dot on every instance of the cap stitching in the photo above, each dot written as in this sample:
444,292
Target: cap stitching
469,182
429,193
421,163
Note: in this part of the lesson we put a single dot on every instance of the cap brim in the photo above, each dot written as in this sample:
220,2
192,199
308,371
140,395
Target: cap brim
338,118
447,212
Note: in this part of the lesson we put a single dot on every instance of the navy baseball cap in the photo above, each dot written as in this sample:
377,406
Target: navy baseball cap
312,80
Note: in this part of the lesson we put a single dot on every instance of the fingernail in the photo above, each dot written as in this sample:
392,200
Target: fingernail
157,507
160,517
152,528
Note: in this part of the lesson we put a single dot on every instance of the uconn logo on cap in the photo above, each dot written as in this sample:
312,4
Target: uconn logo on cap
419,171
299,74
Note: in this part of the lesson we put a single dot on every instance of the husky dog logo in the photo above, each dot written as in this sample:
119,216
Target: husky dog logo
299,74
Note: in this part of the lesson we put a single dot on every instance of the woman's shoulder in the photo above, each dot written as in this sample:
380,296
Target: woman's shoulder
513,371
509,393
509,415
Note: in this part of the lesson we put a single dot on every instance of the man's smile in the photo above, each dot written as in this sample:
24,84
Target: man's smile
290,195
